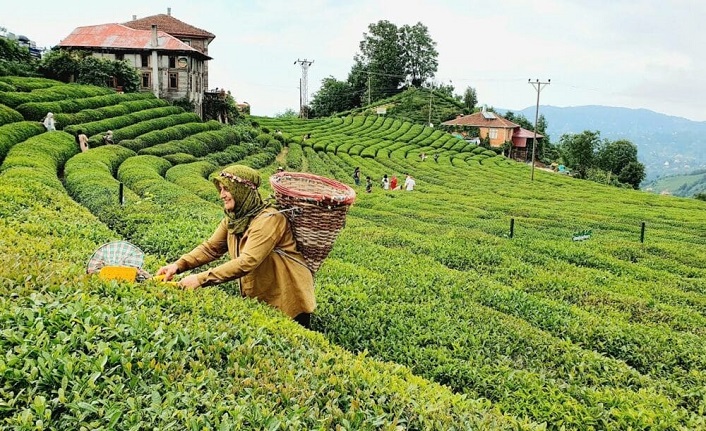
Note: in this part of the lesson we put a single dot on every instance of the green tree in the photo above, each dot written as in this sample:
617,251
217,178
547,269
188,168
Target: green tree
419,54
16,59
470,100
61,64
333,96
127,76
633,173
613,156
381,57
578,150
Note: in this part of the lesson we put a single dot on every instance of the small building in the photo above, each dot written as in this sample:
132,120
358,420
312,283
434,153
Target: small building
497,130
171,68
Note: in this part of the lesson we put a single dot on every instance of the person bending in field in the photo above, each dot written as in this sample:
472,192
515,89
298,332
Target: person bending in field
262,250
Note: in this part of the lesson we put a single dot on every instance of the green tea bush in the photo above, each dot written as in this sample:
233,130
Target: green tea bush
123,108
14,133
53,93
37,110
125,121
198,144
26,84
9,115
41,156
169,134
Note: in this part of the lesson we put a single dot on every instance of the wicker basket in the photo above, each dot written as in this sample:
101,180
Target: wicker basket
316,208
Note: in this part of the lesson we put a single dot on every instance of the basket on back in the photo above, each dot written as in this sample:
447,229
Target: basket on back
316,208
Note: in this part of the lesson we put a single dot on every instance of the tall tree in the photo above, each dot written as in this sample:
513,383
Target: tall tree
333,96
419,54
578,150
613,156
381,55
470,100
633,173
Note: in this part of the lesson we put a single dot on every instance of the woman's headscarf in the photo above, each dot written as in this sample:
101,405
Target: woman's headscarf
242,182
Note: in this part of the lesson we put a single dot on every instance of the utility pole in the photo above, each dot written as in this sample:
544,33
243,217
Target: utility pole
304,87
369,102
538,85
431,94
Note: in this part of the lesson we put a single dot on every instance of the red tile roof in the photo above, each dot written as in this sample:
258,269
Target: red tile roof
118,36
524,133
171,25
478,120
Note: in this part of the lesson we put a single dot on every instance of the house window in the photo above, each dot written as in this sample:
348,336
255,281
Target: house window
146,80
119,56
172,62
173,80
493,133
145,60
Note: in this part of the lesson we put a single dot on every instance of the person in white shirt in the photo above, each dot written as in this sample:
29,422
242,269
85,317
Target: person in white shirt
49,122
409,183
385,182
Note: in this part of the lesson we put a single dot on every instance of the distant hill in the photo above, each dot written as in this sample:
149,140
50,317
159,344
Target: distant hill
679,185
666,145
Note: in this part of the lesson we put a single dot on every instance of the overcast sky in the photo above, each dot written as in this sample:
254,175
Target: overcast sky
635,54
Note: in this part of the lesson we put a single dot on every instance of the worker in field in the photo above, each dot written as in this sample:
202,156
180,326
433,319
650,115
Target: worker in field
261,246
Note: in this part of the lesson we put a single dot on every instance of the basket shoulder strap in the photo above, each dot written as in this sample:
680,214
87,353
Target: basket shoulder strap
289,256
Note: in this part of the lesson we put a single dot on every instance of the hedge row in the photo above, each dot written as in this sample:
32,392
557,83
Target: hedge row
57,92
4,86
115,123
194,178
173,133
89,178
37,110
14,133
25,84
9,115
80,353
198,144
123,108
40,156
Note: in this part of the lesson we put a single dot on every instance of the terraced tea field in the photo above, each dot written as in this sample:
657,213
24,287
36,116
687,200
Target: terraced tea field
431,315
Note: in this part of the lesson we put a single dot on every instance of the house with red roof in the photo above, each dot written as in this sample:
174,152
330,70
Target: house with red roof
497,130
170,55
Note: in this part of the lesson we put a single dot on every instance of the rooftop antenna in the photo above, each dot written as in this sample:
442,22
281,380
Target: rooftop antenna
304,88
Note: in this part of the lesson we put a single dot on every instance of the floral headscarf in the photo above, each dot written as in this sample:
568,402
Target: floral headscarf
242,182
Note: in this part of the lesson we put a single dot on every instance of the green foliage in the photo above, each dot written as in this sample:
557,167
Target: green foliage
9,115
16,60
14,133
418,53
52,94
333,96
26,84
470,100
62,64
578,150
37,110
451,323
633,173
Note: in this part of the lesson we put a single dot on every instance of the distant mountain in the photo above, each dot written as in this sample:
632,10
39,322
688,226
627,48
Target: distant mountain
666,145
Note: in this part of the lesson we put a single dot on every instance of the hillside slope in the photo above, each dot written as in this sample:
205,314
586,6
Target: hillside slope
479,300
667,145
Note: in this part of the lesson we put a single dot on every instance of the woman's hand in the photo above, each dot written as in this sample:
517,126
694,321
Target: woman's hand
189,282
168,271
